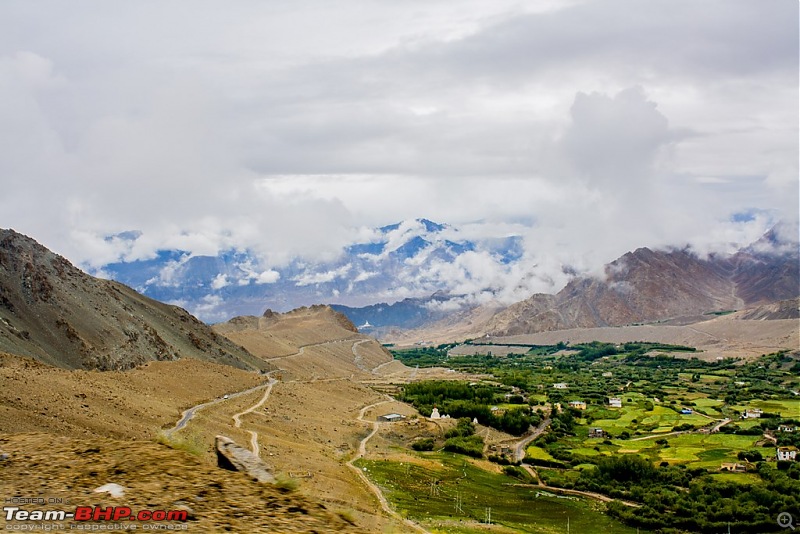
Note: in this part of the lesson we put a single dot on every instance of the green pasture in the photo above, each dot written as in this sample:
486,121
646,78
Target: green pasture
739,478
430,495
789,408
538,453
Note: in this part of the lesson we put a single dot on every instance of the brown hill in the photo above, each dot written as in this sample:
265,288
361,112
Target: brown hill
307,342
52,311
774,311
132,404
647,285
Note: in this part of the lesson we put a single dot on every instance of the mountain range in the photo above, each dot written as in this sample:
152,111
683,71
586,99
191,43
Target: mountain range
398,261
647,285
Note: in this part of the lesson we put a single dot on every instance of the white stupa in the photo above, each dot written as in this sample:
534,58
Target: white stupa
435,413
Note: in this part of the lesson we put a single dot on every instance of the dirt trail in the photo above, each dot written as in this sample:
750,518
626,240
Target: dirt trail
237,421
188,414
362,451
519,448
591,495
301,350
357,359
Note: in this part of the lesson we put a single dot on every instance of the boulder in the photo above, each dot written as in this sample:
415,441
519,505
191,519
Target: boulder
234,457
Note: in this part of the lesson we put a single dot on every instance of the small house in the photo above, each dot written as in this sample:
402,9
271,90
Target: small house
752,413
786,428
578,405
391,417
786,454
608,374
596,433
560,385
615,402
732,467
686,411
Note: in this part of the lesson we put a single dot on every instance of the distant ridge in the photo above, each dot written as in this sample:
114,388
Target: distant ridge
647,285
59,315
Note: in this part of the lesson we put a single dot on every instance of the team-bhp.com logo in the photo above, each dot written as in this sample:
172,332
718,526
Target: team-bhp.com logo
93,513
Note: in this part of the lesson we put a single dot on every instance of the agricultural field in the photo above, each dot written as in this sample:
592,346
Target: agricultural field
448,490
679,430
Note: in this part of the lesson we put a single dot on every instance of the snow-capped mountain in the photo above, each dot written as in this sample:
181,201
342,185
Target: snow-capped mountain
411,259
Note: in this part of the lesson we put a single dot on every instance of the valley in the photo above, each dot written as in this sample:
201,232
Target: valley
620,429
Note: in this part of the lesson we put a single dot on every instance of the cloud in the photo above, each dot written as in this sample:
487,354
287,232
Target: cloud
586,128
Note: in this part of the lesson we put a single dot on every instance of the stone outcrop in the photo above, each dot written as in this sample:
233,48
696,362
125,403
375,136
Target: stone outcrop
234,457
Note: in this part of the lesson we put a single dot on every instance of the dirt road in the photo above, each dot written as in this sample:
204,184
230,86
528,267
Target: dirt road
362,450
237,421
519,448
187,415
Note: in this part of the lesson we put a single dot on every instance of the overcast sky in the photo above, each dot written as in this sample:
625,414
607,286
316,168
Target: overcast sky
289,128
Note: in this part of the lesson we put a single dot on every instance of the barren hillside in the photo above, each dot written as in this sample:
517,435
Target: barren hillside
647,285
54,312
155,478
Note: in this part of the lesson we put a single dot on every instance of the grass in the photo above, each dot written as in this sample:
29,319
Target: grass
739,478
430,494
185,441
787,408
286,483
538,453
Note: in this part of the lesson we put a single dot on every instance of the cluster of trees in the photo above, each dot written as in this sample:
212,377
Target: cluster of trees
462,439
459,399
673,497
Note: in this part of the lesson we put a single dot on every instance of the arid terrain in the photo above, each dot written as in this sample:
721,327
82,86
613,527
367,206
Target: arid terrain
304,418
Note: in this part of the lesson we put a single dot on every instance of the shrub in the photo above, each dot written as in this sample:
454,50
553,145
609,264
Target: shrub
189,442
471,446
423,444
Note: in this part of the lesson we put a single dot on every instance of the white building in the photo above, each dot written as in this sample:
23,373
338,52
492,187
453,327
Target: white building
560,385
435,413
786,454
752,413
615,402
391,417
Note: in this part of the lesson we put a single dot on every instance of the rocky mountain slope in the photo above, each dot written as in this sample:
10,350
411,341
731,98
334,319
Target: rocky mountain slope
647,285
55,313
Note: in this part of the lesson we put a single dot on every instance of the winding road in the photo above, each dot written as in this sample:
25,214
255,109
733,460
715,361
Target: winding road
188,414
237,421
519,448
302,348
362,451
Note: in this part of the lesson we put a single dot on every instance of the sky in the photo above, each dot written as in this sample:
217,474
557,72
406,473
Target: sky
290,129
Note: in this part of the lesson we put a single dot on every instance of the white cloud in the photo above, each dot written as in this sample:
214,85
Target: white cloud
220,281
311,278
268,277
588,128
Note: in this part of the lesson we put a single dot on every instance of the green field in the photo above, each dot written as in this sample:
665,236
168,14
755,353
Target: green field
430,495
739,478
660,419
538,453
787,408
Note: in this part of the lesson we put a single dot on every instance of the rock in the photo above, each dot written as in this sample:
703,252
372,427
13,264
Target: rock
234,457
115,490
190,514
